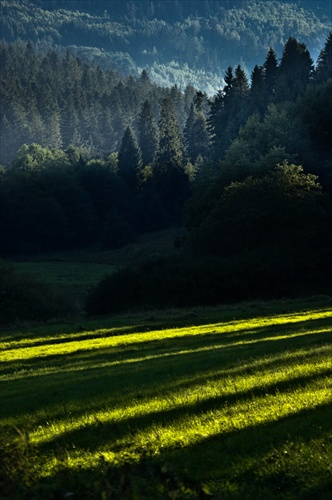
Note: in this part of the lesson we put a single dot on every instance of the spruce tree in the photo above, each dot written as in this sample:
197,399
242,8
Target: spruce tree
295,71
172,182
324,61
188,131
240,82
257,90
196,134
170,151
216,123
270,71
147,134
130,158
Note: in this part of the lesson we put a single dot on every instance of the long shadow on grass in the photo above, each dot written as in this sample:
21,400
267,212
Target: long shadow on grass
104,396
252,449
251,336
241,464
240,332
94,435
92,386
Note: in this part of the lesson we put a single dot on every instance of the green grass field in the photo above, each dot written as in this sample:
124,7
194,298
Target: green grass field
209,403
74,273
70,277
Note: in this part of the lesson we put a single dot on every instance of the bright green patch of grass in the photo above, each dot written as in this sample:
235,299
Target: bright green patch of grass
215,404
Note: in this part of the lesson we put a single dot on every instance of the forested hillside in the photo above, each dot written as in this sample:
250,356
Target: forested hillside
177,41
92,158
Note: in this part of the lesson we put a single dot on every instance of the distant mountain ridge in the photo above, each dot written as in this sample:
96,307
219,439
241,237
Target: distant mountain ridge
188,41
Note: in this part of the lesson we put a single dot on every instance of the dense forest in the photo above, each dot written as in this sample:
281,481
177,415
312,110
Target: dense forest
178,42
92,158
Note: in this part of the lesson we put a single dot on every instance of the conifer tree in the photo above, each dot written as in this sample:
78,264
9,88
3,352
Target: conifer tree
130,158
240,82
147,134
216,122
324,61
257,90
170,151
200,139
295,71
196,134
188,130
270,71
229,83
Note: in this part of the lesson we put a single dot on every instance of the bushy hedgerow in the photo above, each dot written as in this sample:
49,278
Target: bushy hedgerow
24,297
185,281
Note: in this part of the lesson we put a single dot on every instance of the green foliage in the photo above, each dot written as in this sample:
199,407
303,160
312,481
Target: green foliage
285,207
148,134
324,61
35,157
170,150
129,158
183,43
295,70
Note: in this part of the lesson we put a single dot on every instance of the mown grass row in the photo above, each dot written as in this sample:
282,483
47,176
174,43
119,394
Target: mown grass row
221,404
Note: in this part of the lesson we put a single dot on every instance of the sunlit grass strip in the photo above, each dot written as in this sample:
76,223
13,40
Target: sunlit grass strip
220,387
81,366
197,427
101,340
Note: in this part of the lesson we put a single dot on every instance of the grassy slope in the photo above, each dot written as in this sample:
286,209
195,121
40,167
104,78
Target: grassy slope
76,272
214,403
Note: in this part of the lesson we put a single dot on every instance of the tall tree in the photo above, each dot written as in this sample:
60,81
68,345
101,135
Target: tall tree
130,158
196,134
147,133
295,71
216,123
324,61
172,182
240,82
270,71
257,90
170,151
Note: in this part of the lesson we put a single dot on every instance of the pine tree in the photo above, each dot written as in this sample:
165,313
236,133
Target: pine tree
147,134
130,158
229,84
170,152
295,71
270,71
196,134
240,82
324,61
216,123
188,131
200,139
257,90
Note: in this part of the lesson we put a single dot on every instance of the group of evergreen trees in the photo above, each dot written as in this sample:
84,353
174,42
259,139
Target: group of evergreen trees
111,157
178,41
57,102
259,224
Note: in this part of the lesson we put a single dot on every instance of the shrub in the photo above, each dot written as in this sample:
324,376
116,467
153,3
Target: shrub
186,281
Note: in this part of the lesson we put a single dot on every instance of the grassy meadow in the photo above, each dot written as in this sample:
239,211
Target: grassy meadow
229,402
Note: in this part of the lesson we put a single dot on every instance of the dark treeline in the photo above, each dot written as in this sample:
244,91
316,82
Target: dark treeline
259,224
101,159
256,156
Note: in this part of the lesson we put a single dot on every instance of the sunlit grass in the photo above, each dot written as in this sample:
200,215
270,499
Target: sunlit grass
232,406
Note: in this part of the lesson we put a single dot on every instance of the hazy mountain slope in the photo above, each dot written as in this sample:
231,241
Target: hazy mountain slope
177,41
